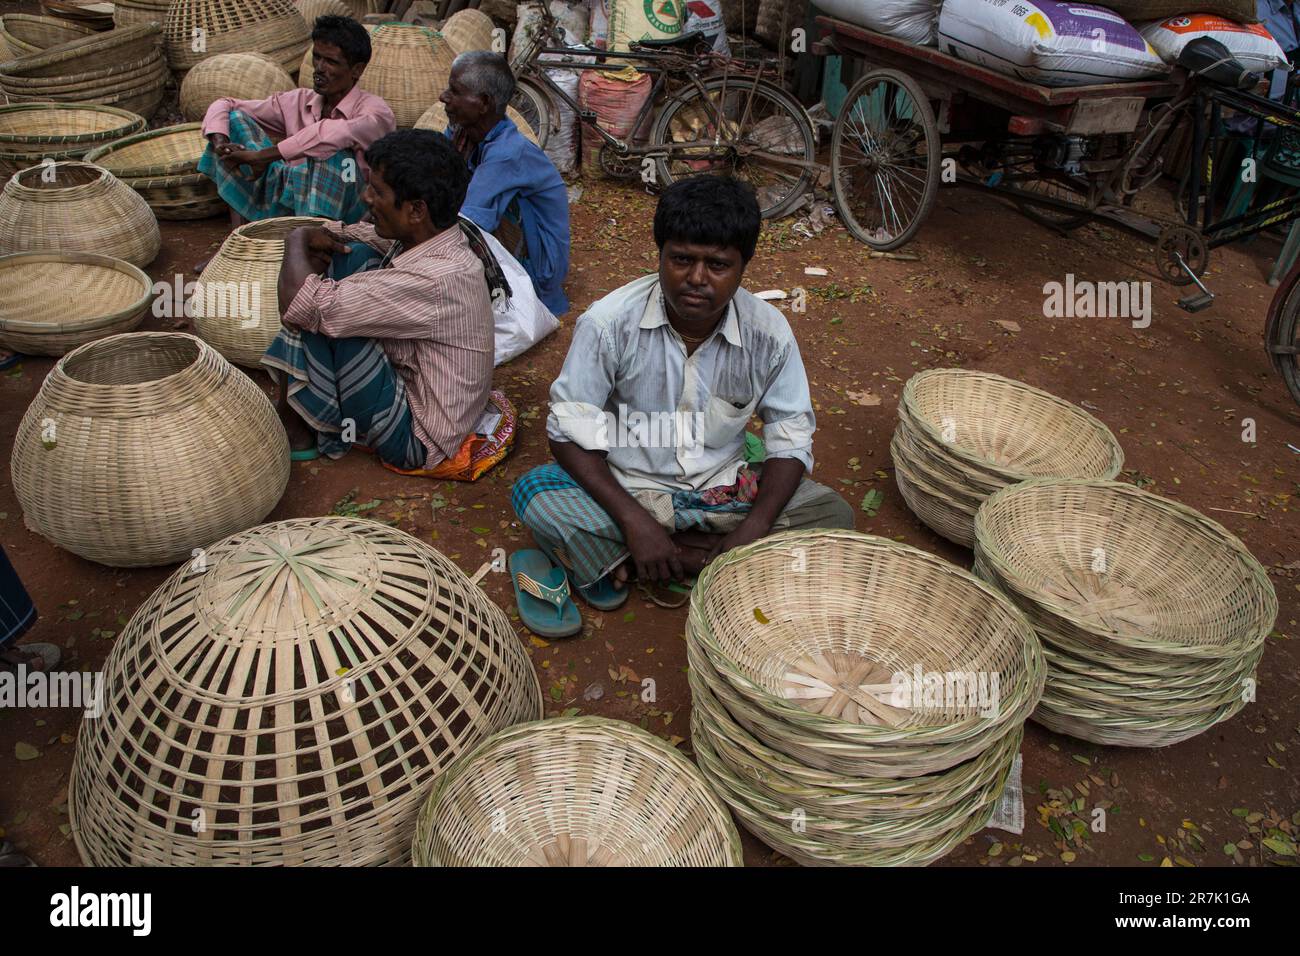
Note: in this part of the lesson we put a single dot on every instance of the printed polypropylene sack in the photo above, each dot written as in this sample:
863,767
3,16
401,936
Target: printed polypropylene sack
705,16
1047,42
598,25
1250,43
562,142
916,21
631,20
521,321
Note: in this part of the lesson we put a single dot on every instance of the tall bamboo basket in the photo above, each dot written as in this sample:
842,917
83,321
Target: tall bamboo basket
578,791
409,67
273,27
297,696
242,76
76,207
141,447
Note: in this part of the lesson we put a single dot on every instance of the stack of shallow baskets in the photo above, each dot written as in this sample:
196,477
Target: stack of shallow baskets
123,68
129,13
162,165
22,34
963,435
856,701
32,132
1152,616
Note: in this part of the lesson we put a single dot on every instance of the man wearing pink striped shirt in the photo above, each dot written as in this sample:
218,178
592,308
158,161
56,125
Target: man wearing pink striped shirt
301,152
395,351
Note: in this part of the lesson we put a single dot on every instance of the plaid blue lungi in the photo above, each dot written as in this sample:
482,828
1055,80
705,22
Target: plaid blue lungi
316,187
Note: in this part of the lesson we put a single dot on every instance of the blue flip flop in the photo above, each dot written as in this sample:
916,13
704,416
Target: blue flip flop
602,595
542,595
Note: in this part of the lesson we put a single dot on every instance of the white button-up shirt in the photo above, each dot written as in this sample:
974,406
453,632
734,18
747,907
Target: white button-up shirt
673,422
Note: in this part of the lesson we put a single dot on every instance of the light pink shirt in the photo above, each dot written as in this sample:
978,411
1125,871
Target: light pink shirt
295,119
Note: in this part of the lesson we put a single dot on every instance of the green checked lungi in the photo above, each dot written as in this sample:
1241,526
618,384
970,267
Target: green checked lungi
315,187
568,522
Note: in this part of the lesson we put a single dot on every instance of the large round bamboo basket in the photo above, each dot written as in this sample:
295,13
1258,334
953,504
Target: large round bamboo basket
32,132
409,67
435,119
1153,616
162,166
963,435
307,65
141,447
76,207
100,50
24,34
272,27
249,260
98,296
313,9
90,13
129,13
578,791
468,30
333,667
243,76
108,79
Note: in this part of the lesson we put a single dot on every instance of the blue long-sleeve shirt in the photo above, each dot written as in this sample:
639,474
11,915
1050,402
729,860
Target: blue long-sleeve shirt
506,168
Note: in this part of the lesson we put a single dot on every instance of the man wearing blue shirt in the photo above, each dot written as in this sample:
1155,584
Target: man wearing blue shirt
513,180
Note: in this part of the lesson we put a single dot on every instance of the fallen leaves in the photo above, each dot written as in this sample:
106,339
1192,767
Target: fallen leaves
25,751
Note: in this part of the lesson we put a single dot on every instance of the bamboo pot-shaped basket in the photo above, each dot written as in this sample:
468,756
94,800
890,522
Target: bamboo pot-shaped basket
1153,616
52,302
24,34
467,30
298,693
963,435
242,76
162,166
435,118
409,67
273,27
32,132
141,447
76,207
578,791
242,321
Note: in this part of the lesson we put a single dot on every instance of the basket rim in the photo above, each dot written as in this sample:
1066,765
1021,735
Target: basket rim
634,736
81,258
157,171
1254,570
135,122
910,416
60,374
28,193
1029,687
74,49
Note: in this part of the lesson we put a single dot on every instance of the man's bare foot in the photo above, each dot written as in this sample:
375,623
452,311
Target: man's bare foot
300,436
620,577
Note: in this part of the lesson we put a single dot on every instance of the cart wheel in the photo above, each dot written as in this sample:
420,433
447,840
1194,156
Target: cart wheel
885,159
534,105
618,165
1175,241
1282,339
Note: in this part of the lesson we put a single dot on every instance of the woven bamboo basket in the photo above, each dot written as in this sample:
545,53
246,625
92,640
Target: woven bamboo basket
310,10
828,655
773,15
81,208
129,13
89,53
578,791
142,447
162,166
250,258
467,30
409,68
29,133
272,27
1153,616
109,79
740,16
307,66
95,14
144,98
299,696
243,76
963,435
51,303
435,119
24,34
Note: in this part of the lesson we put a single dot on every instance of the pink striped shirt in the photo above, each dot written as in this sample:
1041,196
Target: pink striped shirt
431,313
294,118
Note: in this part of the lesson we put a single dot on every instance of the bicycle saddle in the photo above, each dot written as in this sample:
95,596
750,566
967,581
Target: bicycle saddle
1211,59
683,41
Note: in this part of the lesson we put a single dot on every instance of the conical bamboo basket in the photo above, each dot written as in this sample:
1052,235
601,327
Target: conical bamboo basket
141,447
273,27
435,119
76,207
409,68
249,260
242,76
31,132
468,30
331,667
578,791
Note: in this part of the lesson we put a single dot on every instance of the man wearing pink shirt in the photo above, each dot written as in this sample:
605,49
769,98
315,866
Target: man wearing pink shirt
301,153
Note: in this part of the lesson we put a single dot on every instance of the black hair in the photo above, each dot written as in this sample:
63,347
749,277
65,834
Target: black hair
709,210
421,164
346,34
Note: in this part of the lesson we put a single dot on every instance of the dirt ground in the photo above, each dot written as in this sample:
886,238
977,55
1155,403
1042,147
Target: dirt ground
1175,393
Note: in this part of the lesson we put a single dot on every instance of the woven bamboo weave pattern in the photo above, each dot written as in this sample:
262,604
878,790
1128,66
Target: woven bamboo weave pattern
91,13
578,791
97,296
76,207
29,133
242,76
162,166
24,33
409,68
312,9
468,30
435,118
250,260
97,51
141,447
273,27
129,13
300,694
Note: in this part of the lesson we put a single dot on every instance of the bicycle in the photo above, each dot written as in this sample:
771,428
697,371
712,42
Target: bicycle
711,114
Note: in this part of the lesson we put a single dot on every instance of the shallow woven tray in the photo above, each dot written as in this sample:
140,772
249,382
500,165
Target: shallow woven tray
25,33
116,74
578,791
89,53
97,296
31,132
96,19
155,153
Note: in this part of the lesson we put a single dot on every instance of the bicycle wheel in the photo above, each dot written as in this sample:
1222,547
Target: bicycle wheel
1050,216
885,159
1282,336
532,103
734,133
